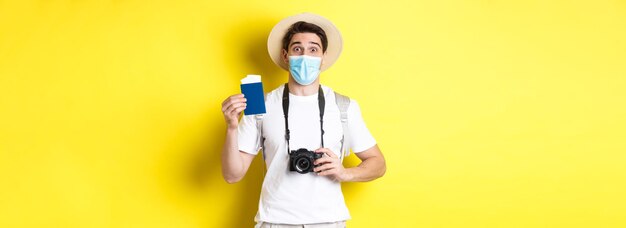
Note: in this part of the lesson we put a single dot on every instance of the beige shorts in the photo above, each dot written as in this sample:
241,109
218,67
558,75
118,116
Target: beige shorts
341,224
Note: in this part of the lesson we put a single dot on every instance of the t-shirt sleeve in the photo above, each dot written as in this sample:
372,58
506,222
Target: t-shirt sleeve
360,137
248,135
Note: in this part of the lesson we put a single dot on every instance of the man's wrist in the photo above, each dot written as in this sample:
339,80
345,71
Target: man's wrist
348,174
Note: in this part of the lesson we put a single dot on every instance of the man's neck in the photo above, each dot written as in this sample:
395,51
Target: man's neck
303,90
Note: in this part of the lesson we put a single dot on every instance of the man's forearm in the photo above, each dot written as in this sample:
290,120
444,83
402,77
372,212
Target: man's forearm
232,163
369,169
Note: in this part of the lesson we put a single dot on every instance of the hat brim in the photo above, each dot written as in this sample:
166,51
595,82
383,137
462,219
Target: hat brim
275,39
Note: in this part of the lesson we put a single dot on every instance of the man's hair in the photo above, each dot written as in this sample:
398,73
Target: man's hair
304,27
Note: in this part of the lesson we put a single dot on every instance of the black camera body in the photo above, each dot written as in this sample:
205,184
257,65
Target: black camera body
301,160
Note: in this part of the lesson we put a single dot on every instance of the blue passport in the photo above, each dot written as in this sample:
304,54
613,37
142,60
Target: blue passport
252,89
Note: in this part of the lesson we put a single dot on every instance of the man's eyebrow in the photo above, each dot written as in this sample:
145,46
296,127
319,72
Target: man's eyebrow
311,42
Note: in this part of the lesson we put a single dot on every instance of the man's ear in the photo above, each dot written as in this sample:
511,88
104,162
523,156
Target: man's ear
323,58
284,56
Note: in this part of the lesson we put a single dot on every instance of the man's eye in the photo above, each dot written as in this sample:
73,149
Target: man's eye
313,49
296,49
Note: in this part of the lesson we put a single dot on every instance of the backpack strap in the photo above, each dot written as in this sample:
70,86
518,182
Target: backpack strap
260,139
259,128
343,102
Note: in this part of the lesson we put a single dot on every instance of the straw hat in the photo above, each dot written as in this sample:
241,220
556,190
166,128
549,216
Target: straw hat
275,39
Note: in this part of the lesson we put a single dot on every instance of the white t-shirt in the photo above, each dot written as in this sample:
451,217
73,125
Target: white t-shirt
288,197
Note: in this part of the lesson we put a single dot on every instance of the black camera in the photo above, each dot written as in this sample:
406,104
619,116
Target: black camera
301,160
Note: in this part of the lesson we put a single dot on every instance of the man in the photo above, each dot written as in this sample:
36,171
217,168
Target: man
300,114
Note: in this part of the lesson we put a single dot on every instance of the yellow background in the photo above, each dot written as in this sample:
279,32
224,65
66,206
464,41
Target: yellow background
491,113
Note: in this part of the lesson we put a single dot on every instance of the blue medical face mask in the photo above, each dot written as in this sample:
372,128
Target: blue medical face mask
304,69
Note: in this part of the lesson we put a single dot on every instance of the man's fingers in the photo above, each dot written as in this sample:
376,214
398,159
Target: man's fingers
231,97
322,150
230,108
331,154
235,112
329,165
323,160
232,100
327,172
323,167
235,101
327,152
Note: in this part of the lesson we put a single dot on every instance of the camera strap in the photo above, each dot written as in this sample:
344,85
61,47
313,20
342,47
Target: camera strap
321,102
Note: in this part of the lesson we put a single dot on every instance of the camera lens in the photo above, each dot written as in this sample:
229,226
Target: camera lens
302,165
